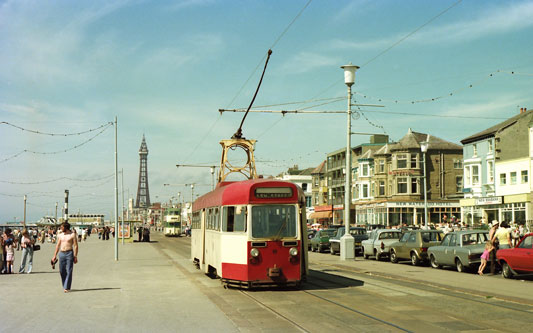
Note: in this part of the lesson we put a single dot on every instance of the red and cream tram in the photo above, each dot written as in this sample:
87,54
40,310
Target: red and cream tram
251,233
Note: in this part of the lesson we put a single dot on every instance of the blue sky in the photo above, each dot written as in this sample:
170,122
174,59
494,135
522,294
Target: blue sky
164,68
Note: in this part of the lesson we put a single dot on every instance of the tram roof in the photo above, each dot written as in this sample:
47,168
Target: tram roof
242,193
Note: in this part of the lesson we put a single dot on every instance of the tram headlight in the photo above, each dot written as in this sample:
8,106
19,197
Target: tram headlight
293,251
254,252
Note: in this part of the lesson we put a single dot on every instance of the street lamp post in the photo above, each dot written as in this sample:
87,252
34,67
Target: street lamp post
347,241
25,199
424,147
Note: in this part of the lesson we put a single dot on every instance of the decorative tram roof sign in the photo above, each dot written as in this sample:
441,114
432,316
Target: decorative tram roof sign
273,192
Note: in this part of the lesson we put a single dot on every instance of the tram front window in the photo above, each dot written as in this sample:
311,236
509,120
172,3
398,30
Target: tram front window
273,221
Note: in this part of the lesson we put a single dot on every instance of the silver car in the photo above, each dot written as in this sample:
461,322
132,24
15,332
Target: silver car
379,242
459,249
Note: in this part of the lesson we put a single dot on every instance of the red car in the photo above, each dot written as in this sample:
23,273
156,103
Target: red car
518,260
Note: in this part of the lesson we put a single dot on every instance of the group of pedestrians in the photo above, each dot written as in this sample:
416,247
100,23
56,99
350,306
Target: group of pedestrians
501,236
16,241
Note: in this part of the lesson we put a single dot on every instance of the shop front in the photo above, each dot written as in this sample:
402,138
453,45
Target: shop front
394,213
510,208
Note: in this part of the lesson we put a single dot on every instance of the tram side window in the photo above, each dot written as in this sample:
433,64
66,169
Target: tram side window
234,219
195,220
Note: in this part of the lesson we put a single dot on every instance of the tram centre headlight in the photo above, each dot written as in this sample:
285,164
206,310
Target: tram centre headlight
254,252
293,251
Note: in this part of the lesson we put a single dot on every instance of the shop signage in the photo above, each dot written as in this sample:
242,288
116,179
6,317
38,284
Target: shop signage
489,201
421,204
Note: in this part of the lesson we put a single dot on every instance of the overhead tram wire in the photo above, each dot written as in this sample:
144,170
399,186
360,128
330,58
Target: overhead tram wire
53,134
55,180
387,112
251,75
396,43
59,151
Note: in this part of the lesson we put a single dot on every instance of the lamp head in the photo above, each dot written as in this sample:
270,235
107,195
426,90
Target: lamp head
424,146
349,74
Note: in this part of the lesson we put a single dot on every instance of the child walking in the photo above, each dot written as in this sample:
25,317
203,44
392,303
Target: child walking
485,257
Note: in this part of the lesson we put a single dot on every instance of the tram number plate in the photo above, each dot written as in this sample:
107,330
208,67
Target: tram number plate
274,272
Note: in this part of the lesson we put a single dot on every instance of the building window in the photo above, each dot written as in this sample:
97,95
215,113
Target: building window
503,178
457,164
491,148
414,185
315,181
381,166
468,177
475,175
524,176
458,184
475,149
364,170
513,178
365,190
490,172
401,161
381,188
304,187
413,161
402,185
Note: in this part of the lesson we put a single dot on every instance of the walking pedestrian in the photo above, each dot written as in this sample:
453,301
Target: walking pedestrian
504,236
67,247
494,241
27,251
9,250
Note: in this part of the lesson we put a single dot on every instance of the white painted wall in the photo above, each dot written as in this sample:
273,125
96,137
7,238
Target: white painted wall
507,167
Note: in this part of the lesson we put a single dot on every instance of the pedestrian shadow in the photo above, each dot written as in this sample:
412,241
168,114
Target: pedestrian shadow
92,289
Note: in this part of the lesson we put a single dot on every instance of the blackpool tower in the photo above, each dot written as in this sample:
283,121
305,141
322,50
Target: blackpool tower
143,194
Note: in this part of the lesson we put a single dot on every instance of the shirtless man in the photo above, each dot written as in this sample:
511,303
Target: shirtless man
67,246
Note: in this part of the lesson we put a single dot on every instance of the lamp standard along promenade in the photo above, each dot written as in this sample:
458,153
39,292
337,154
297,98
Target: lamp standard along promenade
347,241
424,148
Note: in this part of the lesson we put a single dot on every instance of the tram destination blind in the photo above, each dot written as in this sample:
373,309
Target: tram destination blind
273,192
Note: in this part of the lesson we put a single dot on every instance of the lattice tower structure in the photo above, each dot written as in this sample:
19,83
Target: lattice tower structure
143,193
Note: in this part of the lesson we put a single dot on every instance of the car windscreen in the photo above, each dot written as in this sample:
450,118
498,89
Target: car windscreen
357,231
431,237
474,239
390,235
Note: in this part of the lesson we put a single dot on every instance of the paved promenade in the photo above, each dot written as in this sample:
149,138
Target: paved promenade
141,292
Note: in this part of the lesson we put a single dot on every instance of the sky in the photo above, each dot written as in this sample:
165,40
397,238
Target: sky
165,68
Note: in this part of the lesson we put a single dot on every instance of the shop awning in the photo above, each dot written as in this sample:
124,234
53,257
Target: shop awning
321,215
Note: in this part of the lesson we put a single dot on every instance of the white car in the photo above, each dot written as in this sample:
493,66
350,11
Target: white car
379,242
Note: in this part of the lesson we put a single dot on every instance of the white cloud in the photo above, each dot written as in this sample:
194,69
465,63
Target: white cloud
306,61
495,20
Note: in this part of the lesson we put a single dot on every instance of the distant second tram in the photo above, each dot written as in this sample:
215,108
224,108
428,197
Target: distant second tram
172,222
251,233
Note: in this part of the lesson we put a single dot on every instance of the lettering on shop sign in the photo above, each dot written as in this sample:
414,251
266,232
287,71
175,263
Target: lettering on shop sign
421,204
489,201
402,172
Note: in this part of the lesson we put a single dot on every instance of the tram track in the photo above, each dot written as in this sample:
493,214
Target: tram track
439,289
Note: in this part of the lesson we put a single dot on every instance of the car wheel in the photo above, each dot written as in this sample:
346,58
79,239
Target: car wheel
433,262
393,257
414,259
459,265
506,271
318,249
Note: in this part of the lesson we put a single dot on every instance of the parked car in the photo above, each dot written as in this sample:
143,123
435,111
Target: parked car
310,234
320,241
379,242
518,260
414,245
359,234
461,249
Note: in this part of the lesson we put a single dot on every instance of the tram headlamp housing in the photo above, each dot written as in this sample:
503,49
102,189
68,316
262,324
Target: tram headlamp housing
254,252
293,251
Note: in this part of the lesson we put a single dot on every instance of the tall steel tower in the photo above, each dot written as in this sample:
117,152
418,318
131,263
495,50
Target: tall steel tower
143,194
